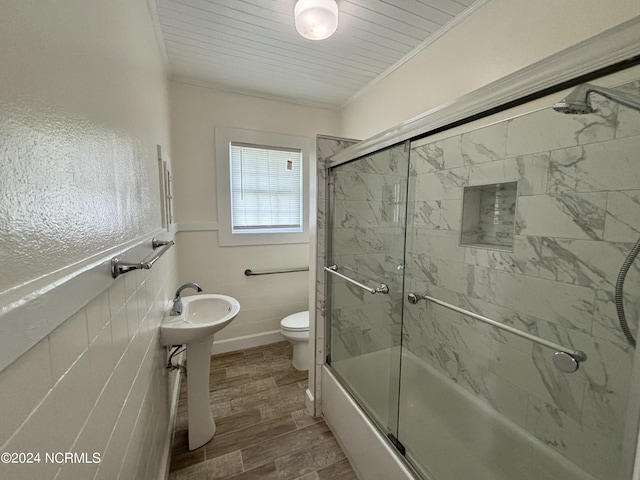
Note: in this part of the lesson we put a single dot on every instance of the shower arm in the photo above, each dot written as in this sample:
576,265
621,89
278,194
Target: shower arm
578,102
566,359
615,96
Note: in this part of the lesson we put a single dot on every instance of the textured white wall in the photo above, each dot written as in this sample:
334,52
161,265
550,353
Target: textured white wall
81,111
83,103
265,300
500,38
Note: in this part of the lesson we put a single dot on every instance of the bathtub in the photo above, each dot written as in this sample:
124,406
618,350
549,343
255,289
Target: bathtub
448,434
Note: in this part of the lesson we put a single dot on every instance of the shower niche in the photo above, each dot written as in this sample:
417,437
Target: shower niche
488,216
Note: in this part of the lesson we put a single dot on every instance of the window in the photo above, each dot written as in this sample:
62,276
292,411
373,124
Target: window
261,183
266,189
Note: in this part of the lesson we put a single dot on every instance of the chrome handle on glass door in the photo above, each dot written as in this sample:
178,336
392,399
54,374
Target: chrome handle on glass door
383,288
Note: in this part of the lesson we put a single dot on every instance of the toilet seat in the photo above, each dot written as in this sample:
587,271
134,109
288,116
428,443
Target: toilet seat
296,322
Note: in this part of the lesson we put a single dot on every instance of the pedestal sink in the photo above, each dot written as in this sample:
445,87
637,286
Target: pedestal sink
202,316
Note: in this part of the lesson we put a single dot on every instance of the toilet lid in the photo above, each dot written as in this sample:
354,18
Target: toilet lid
296,322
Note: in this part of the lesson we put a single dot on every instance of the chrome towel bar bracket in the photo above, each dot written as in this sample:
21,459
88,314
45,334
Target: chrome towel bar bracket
383,288
565,359
119,267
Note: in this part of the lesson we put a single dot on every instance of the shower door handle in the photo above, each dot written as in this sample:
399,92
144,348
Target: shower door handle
382,288
414,298
566,359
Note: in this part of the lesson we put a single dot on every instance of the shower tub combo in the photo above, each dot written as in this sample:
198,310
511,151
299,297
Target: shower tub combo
442,420
475,302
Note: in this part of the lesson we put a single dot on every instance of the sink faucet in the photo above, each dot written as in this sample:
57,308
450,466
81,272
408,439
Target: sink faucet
177,301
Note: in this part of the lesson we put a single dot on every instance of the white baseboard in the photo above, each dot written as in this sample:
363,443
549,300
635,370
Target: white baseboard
248,341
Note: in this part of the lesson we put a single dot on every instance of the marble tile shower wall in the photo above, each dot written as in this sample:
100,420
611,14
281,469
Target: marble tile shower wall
577,216
368,245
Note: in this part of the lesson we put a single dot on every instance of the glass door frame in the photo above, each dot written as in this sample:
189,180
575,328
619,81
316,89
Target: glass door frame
390,430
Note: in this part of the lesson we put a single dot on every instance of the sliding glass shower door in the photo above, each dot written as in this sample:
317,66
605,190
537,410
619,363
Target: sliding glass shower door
496,348
365,284
525,222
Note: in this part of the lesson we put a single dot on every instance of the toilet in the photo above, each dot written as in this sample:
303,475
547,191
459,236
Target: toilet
295,329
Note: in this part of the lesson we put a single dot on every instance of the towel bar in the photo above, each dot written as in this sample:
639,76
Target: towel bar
119,267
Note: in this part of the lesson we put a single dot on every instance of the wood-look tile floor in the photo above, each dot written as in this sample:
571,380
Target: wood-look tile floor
263,428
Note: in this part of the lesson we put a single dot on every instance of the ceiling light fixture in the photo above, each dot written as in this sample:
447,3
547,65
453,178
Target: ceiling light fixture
316,19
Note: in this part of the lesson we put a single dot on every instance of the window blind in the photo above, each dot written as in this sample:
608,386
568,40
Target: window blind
266,189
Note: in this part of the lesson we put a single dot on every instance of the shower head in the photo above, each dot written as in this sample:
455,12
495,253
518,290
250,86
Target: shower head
577,102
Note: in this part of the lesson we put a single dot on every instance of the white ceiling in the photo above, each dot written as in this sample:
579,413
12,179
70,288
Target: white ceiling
252,47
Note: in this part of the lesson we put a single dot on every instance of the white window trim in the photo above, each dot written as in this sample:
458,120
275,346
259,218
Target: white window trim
223,137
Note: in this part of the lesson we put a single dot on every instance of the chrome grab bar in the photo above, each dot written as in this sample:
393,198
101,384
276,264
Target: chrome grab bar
383,288
249,272
119,267
566,359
